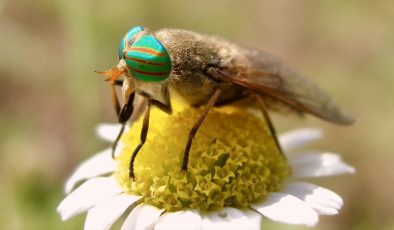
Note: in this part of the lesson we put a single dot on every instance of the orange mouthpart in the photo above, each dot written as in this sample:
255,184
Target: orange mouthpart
111,74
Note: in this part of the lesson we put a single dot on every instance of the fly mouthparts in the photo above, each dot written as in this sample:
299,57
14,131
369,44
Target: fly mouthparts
112,74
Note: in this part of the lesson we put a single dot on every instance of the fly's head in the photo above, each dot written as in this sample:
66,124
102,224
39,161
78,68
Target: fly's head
143,61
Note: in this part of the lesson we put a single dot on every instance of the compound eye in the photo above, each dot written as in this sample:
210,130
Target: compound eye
127,40
148,60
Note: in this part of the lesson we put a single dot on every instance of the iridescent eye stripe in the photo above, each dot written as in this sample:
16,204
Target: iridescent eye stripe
129,35
145,61
147,51
153,74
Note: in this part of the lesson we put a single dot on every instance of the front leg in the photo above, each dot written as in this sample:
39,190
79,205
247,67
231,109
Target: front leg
123,115
143,135
125,112
267,119
194,130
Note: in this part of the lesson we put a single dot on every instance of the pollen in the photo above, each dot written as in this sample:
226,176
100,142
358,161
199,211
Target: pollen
233,160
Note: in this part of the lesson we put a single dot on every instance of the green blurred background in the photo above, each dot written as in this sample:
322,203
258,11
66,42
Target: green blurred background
51,100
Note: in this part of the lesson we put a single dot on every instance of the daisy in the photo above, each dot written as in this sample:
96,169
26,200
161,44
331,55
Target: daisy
236,176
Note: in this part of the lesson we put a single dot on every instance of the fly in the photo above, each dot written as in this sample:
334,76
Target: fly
206,71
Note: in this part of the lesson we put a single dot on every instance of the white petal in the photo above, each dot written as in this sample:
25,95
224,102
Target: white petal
179,220
108,132
287,209
231,218
103,215
142,217
254,217
323,201
299,137
87,195
318,165
99,164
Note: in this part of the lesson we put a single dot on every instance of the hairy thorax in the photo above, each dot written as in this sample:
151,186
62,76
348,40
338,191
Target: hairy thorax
192,55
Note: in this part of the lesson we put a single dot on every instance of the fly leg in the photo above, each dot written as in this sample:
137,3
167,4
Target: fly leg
115,100
144,133
266,117
194,130
123,114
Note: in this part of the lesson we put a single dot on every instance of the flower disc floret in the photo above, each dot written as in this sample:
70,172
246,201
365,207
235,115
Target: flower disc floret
233,161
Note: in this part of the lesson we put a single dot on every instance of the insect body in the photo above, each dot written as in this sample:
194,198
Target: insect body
207,71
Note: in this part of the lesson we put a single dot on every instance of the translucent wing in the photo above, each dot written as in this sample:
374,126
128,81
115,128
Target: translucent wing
268,76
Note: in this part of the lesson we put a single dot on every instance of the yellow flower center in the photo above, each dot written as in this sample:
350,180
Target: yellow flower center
233,160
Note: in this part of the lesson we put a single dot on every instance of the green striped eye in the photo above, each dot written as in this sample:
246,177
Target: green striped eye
148,60
126,39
